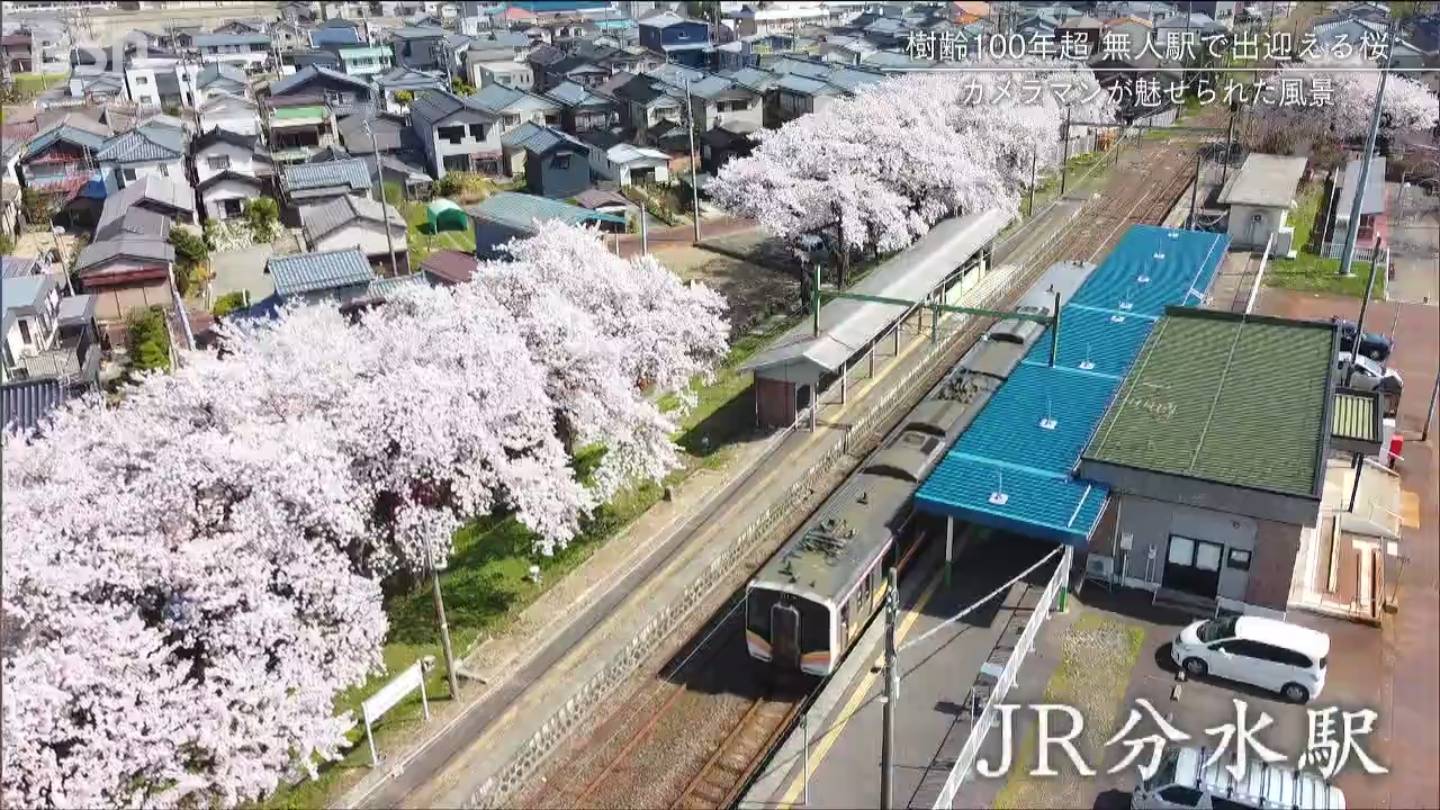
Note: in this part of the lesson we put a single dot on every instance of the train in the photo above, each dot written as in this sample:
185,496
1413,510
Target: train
809,602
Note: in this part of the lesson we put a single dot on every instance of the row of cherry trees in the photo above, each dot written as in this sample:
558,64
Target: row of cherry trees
193,575
904,153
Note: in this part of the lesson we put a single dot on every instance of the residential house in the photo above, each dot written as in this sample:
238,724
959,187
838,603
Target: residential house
448,268
10,217
508,214
1373,227
556,164
604,201
47,337
288,36
153,148
341,276
723,144
95,84
300,11
161,81
59,160
1221,11
25,405
579,70
678,39
1080,36
305,184
1128,37
292,62
628,164
419,48
582,110
344,94
717,101
515,107
350,221
228,111
644,105
250,51
516,75
1259,197
399,80
457,133
783,18
250,26
36,48
1354,35
887,32
541,58
363,61
230,168
391,135
130,264
497,46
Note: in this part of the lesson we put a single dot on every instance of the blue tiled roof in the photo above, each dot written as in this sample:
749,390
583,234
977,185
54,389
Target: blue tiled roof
319,272
521,211
302,176
142,145
1102,329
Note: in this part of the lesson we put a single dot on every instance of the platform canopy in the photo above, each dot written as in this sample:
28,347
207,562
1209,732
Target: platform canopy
444,215
1014,468
847,326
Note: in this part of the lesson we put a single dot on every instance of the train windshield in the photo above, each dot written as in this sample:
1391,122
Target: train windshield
814,617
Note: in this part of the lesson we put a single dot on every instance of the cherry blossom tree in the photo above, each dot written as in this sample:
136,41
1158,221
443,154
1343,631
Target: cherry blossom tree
192,576
1340,96
885,165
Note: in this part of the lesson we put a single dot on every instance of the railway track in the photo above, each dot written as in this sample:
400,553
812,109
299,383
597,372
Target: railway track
698,733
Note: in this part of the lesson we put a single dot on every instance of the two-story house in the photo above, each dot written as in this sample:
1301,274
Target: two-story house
157,81
557,165
678,39
229,111
342,93
131,262
36,49
402,80
419,48
48,337
220,78
230,168
517,75
352,221
364,61
59,162
152,148
456,133
305,184
250,51
645,106
338,32
720,101
582,110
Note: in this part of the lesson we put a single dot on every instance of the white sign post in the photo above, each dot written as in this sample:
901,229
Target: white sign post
390,694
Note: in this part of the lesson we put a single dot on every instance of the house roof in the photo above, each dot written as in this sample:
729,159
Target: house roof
309,73
1226,398
522,211
628,153
217,71
545,55
14,266
437,105
170,193
302,177
319,221
498,98
230,174
1265,180
1374,200
26,403
25,292
143,144
404,78
571,94
74,128
119,218
540,139
390,134
222,135
594,198
96,254
417,32
665,19
216,40
317,272
453,266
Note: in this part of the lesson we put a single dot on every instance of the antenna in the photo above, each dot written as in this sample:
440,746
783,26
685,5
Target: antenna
1048,423
1086,365
998,497
1142,279
1159,256
1126,303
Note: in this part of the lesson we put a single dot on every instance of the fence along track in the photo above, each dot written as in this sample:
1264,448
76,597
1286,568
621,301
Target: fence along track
768,720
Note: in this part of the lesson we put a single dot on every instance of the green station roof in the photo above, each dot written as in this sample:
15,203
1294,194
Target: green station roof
1236,400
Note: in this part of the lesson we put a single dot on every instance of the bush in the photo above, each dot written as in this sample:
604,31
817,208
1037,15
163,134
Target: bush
263,214
191,254
404,96
148,340
449,185
228,303
394,192
7,244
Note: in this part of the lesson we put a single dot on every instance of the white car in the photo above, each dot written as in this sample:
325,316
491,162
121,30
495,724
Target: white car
1183,782
1270,654
1369,375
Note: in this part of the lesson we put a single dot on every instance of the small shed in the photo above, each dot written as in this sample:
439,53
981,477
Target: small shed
445,215
510,214
1259,197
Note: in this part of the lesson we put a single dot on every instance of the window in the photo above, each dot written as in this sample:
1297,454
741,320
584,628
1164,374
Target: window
453,134
511,120
1239,559
142,80
477,131
163,169
561,162
232,208
505,80
25,331
219,163
128,175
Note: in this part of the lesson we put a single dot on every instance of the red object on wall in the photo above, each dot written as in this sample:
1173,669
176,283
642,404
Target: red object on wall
1397,446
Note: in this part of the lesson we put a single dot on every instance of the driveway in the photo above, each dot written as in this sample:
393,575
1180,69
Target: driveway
240,270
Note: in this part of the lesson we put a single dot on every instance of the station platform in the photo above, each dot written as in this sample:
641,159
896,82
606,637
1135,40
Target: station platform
938,682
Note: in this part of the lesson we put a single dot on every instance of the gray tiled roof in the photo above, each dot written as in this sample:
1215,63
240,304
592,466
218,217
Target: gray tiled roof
317,272
24,404
121,217
382,287
212,40
138,247
309,176
522,211
321,220
534,138
170,193
573,95
411,32
220,72
404,78
305,75
142,145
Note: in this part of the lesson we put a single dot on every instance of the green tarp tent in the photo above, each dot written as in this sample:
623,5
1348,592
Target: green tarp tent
444,215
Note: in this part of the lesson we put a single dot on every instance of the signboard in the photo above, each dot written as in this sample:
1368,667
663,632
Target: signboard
390,694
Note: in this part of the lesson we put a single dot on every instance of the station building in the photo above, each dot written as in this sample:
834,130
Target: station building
791,373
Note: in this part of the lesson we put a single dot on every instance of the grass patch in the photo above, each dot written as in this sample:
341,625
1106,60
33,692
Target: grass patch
486,584
28,85
423,242
1094,672
1309,271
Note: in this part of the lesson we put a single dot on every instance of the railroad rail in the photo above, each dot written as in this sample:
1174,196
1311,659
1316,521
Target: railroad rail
704,727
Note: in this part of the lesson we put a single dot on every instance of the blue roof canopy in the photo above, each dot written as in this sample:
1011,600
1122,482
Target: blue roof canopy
1011,472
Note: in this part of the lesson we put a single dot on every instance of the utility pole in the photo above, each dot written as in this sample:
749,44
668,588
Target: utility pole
1065,161
644,231
694,162
385,212
451,676
892,693
1348,255
1195,192
1364,307
1034,159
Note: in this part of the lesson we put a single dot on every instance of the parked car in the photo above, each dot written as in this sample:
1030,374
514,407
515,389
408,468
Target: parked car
1267,653
1184,781
1373,345
1371,376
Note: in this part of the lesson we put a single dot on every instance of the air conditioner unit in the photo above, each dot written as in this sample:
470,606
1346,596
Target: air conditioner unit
1099,567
